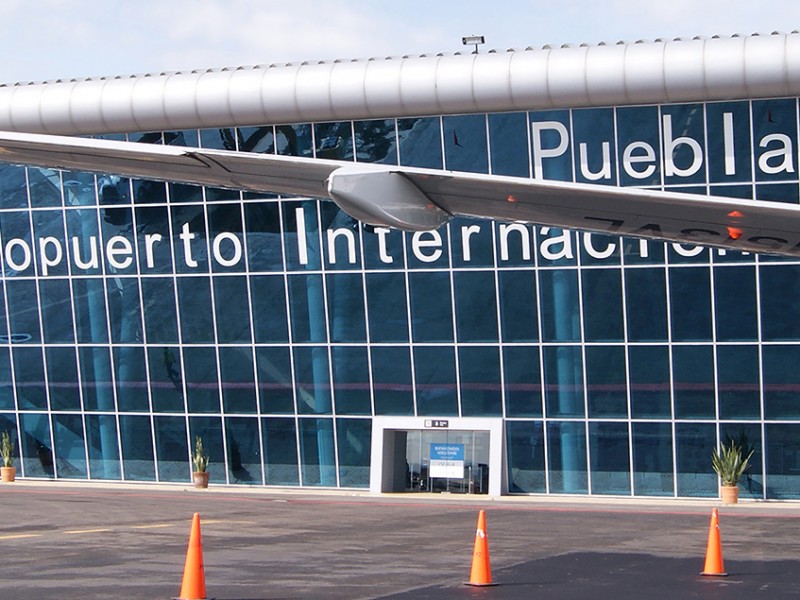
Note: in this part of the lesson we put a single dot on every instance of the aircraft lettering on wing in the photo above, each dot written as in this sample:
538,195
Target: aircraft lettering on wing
414,199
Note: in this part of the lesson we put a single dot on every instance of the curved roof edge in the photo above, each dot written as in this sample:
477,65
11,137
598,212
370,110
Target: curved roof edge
681,70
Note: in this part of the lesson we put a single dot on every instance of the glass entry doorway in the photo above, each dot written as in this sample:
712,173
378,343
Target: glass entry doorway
447,461
457,455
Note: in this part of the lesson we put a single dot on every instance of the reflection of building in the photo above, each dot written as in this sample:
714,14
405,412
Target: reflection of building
138,315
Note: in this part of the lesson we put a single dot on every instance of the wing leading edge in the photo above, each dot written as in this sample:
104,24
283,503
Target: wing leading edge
420,199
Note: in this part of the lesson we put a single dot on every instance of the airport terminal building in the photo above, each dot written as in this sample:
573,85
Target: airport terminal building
310,350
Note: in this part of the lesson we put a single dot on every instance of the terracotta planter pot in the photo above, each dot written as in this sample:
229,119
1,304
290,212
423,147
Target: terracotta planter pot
200,479
8,474
730,494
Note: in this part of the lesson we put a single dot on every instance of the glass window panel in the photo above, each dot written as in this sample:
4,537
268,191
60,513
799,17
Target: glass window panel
563,379
301,238
592,145
383,247
54,298
689,295
70,448
23,315
431,307
317,452
334,140
515,245
522,376
646,305
89,299
124,310
210,430
226,238
607,381
508,139
351,385
218,138
149,192
473,242
560,305
294,140
693,376
48,230
268,295
13,187
196,313
160,319
739,382
62,377
465,146
232,309
652,459
602,305
735,304
650,383
748,435
238,379
274,373
18,250
481,390
354,437
131,379
346,307
567,457
428,249
476,306
190,241
202,387
376,141
35,446
244,450
153,240
263,229
166,383
137,448
420,142
435,374
780,311
716,123
96,382
29,378
45,186
549,142
6,389
684,140
519,314
787,193
307,307
694,443
781,380
391,374
783,460
639,145
557,247
184,193
774,139
256,139
387,307
173,456
102,445
610,463
312,379
525,450
280,451
643,251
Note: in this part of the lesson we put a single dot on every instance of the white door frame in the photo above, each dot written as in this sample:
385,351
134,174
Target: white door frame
498,482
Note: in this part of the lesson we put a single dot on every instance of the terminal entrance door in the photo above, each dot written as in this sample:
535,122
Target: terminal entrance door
447,461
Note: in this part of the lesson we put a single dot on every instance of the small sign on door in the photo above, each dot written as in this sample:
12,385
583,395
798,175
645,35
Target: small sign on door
447,460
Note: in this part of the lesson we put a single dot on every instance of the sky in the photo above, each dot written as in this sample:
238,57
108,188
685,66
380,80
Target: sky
62,39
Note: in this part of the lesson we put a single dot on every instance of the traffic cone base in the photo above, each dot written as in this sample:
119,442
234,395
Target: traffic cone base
481,574
714,566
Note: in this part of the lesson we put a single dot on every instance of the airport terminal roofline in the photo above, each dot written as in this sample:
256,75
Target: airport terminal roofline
680,70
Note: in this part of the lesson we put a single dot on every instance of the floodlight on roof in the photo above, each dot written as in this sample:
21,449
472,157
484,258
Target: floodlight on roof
473,40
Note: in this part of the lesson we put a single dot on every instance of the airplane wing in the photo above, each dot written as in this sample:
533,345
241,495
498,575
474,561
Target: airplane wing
418,199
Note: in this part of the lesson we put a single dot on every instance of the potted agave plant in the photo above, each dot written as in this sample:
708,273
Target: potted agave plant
729,464
8,472
200,462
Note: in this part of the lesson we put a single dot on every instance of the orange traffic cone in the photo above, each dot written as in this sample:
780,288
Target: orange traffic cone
481,574
194,579
714,564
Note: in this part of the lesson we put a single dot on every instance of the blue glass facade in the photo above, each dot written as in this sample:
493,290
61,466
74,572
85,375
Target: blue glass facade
137,315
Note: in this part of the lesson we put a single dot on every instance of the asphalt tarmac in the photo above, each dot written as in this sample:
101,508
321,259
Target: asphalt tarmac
66,541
